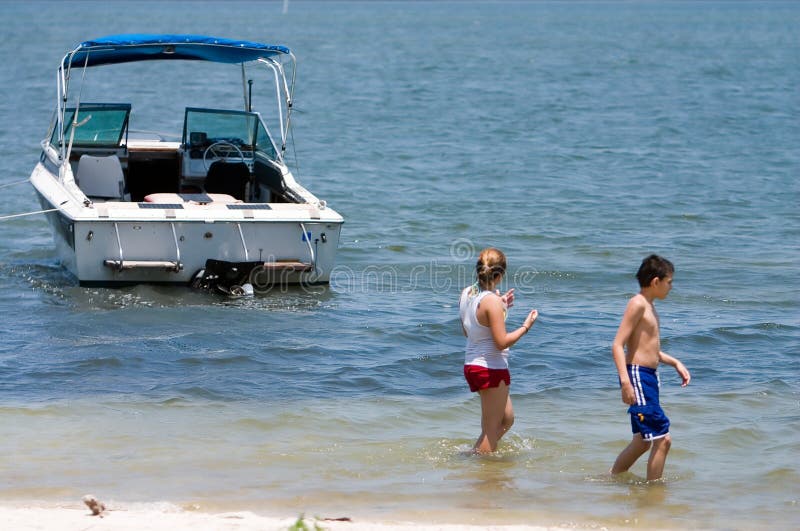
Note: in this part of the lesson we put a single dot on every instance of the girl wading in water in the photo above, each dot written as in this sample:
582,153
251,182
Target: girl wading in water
483,312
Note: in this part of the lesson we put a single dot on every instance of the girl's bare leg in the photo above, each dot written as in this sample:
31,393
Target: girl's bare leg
508,418
497,416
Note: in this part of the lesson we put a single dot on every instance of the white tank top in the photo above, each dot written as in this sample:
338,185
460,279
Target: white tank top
481,349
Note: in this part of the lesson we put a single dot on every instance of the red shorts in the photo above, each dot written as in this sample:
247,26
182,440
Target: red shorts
482,378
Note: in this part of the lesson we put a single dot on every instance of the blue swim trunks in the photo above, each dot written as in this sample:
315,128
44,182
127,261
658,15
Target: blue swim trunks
647,417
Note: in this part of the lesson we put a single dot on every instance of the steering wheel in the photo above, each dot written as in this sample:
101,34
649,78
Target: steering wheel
221,151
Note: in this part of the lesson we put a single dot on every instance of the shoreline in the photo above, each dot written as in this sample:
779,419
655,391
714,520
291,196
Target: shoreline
168,517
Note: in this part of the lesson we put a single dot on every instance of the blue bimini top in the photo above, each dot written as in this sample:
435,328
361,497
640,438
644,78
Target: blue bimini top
145,47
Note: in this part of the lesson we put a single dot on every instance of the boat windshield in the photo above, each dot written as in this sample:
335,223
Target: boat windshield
245,130
98,125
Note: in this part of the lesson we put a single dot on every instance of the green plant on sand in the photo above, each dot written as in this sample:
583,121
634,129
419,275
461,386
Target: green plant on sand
301,525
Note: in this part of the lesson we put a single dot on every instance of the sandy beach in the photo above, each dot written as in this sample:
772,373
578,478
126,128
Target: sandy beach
73,518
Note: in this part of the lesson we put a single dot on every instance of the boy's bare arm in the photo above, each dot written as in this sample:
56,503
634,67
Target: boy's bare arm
633,314
683,372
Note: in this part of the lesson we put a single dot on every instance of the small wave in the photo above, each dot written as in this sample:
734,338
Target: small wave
54,281
686,216
632,479
225,360
29,411
282,301
397,248
741,437
717,72
257,424
624,478
195,392
782,475
752,331
175,402
512,449
99,363
48,278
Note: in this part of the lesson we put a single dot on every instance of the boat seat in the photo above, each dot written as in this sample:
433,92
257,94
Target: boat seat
269,176
228,178
101,177
194,199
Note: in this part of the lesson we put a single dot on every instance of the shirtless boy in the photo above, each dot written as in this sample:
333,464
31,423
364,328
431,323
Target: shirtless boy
637,353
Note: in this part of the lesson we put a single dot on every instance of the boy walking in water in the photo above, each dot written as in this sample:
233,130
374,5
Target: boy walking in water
637,353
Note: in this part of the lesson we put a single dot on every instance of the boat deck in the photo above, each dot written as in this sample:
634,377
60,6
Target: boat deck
179,206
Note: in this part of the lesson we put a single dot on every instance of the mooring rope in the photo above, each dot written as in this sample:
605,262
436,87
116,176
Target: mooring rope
12,216
14,183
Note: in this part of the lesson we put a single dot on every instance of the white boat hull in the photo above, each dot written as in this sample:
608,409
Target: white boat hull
124,249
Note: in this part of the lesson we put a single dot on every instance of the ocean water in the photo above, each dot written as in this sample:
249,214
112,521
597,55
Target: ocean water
577,137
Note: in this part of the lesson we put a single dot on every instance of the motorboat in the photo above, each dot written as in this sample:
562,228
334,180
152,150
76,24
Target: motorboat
212,201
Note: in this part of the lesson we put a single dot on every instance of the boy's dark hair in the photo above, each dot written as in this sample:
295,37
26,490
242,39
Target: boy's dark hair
653,266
